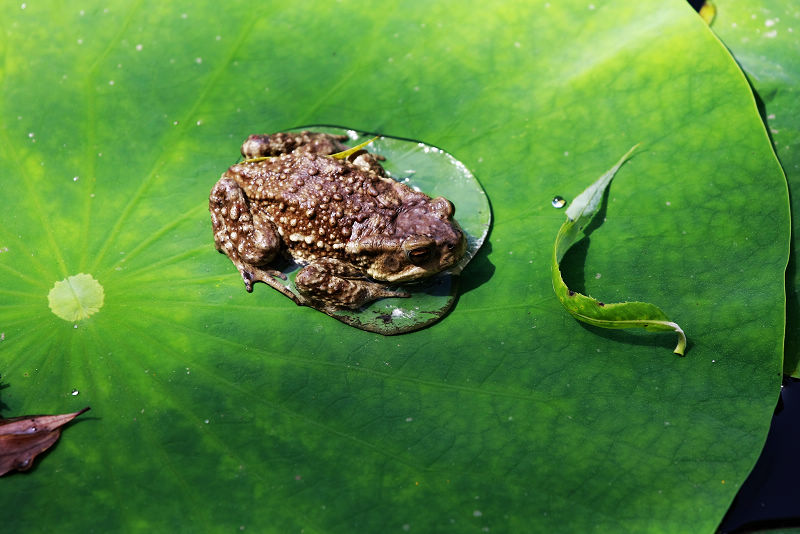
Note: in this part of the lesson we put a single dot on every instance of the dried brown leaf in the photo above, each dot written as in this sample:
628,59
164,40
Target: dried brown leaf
23,438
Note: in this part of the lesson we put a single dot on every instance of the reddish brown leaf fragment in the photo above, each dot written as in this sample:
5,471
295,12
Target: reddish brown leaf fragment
23,438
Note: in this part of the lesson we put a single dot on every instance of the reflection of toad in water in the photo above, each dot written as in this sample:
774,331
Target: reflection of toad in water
356,230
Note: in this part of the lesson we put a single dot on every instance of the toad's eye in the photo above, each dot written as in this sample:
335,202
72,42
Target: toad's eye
419,255
418,249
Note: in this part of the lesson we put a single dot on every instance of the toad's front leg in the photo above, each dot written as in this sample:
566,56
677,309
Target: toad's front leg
248,239
336,283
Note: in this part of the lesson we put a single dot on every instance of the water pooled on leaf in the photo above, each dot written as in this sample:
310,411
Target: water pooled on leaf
558,202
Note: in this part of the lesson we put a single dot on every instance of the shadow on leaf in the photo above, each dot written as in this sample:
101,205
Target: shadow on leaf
3,406
635,337
479,271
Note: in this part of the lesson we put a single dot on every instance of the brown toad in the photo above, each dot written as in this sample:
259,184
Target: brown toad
356,230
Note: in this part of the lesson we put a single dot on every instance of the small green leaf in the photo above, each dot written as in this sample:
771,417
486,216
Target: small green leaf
437,173
587,309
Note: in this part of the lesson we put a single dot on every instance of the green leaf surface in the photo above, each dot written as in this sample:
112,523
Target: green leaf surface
764,37
217,410
591,311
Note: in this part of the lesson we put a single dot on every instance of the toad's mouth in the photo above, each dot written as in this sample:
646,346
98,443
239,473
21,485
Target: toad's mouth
408,274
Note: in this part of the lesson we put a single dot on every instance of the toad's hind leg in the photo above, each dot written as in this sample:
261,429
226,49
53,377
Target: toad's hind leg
340,284
249,240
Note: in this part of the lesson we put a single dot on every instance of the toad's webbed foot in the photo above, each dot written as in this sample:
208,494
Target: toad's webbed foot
251,275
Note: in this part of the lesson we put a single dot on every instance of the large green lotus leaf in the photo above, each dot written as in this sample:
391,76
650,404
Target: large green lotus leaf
214,409
765,39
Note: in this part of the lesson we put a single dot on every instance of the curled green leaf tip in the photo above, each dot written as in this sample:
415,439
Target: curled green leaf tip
587,309
589,200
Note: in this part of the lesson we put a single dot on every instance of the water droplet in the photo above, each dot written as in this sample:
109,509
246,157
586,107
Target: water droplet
138,47
75,178
75,393
559,202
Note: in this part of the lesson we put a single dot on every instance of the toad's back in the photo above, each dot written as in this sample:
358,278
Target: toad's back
319,203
